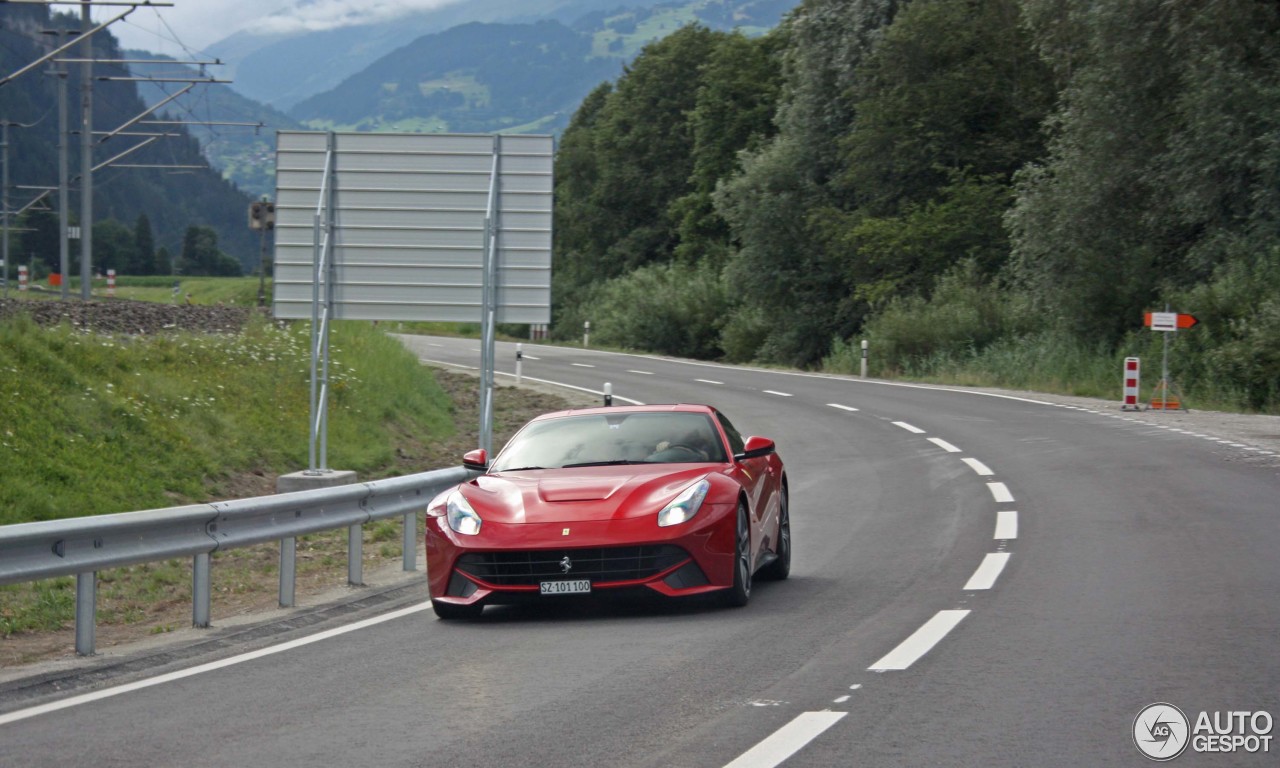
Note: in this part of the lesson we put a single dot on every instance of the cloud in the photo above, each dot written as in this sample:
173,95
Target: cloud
317,15
197,24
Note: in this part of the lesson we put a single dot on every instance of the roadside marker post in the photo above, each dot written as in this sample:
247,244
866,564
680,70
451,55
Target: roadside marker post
111,283
1132,371
22,278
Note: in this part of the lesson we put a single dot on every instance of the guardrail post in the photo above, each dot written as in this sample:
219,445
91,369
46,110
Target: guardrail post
86,611
355,555
201,591
409,542
288,560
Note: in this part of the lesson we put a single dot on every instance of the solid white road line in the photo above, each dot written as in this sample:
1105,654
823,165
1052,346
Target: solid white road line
1006,524
787,740
779,394
1000,492
107,693
944,445
987,573
921,642
908,427
849,408
979,467
531,378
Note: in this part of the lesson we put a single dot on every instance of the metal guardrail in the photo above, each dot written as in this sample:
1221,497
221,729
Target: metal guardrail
83,546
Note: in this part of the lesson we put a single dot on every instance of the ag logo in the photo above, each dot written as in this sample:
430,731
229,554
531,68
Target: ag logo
1160,732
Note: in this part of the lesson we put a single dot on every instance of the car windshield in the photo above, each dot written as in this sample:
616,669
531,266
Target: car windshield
601,439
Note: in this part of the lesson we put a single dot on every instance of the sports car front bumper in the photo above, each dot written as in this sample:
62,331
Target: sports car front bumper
505,562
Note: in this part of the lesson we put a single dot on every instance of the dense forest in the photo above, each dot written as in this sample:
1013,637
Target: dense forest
969,184
141,215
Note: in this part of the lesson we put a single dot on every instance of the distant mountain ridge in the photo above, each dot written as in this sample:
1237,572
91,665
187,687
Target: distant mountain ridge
487,77
283,70
472,78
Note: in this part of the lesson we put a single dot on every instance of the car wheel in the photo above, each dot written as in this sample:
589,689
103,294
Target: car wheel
452,611
738,595
780,568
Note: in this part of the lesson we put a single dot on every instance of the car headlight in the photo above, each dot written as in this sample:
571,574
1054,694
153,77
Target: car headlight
684,506
462,518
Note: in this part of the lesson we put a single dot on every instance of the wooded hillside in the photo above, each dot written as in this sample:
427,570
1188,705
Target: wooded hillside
172,201
957,180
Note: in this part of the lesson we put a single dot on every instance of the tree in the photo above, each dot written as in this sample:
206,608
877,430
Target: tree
626,155
793,296
736,102
145,247
1162,165
114,247
948,107
200,255
39,241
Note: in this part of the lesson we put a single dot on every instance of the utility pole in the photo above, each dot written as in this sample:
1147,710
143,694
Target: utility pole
4,147
86,154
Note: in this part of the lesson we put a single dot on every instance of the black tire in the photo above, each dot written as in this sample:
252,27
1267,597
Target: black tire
780,568
740,593
454,612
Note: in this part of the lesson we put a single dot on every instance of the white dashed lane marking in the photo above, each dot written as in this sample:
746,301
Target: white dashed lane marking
1006,524
979,467
944,445
987,573
1000,492
908,427
921,642
787,740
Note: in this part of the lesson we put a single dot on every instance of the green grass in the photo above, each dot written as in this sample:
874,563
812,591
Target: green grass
1045,362
93,424
238,291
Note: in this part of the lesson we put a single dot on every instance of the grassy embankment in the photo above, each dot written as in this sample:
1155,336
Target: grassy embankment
92,424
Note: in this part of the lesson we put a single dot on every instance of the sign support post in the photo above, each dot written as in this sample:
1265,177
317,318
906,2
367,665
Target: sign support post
1165,396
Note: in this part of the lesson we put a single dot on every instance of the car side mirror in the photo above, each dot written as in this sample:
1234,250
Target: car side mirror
755,448
477,459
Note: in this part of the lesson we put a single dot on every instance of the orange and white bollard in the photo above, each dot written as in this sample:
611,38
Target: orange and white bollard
22,278
111,283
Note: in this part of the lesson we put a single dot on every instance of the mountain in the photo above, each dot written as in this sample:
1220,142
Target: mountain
483,78
476,78
283,70
173,199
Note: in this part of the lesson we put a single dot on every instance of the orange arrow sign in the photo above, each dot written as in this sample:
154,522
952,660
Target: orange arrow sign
1183,320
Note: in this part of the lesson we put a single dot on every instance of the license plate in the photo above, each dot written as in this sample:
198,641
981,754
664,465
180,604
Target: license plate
574,587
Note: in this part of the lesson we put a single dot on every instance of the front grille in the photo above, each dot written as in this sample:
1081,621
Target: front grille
599,564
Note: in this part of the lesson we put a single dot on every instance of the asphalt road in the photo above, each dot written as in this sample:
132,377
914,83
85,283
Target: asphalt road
977,580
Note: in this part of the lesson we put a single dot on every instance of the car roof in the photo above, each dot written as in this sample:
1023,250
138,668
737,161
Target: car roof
671,408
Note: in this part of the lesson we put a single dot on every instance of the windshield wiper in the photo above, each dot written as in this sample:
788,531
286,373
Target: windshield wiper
519,469
614,463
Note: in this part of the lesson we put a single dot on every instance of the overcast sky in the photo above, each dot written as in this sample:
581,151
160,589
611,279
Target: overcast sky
197,24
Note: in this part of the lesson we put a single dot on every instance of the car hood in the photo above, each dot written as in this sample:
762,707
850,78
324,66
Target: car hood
580,494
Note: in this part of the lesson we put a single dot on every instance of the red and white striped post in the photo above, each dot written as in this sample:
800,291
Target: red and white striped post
22,278
111,283
1132,368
